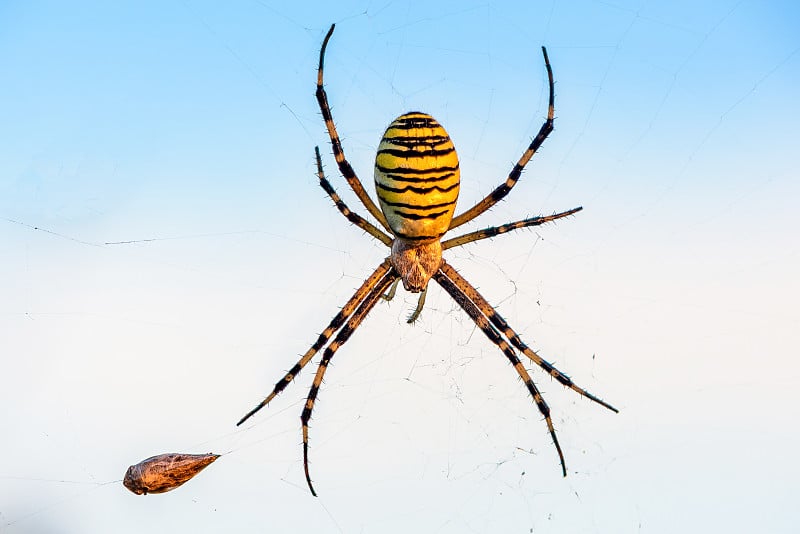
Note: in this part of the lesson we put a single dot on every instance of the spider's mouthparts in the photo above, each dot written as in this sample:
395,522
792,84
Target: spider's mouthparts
416,262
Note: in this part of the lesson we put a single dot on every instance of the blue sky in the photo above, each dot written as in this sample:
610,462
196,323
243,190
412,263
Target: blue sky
166,253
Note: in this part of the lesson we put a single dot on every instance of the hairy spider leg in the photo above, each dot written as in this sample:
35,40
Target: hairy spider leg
338,320
344,334
350,215
502,190
494,336
493,231
344,166
497,320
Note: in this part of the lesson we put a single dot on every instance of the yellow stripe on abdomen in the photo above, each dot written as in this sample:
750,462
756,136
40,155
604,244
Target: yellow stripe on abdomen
417,177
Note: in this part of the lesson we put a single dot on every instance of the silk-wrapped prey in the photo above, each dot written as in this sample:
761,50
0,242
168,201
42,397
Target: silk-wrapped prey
165,472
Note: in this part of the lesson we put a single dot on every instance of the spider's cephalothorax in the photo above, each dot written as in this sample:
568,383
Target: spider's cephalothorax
417,181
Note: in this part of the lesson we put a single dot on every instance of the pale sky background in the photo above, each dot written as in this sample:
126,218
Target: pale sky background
166,254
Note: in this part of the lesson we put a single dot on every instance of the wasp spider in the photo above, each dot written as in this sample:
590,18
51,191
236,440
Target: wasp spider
417,182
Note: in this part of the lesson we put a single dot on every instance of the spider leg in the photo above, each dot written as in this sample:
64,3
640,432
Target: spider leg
502,190
344,166
497,230
494,336
351,216
338,320
344,334
500,323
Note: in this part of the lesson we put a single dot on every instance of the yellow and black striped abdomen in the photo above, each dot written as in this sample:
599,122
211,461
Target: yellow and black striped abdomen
417,177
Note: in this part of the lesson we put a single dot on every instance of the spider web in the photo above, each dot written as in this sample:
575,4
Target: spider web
167,255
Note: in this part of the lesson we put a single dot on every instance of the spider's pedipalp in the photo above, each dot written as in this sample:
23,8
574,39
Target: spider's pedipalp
497,320
336,323
389,295
344,334
494,336
414,315
418,309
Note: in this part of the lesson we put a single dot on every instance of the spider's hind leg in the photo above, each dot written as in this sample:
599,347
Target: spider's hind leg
351,216
344,166
513,177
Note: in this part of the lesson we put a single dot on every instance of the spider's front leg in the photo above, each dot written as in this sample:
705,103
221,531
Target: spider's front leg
497,320
344,334
494,336
336,323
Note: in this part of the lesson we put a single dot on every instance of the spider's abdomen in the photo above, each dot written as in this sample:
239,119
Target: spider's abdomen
417,177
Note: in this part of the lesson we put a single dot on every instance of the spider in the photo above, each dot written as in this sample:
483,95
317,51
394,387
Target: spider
417,183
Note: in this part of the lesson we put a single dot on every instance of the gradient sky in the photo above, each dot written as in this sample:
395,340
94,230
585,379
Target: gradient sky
166,254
